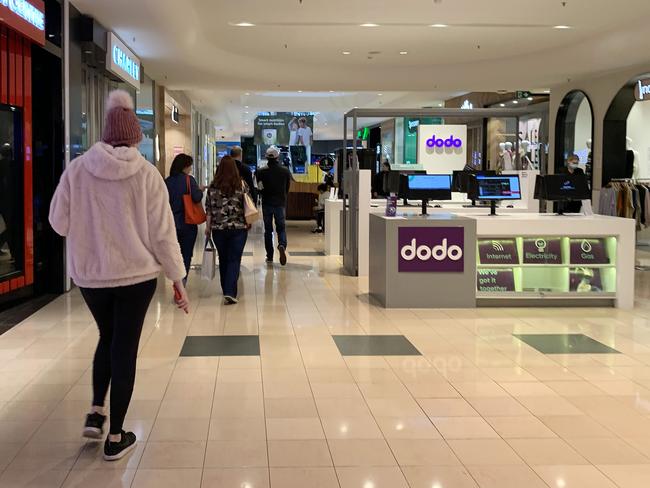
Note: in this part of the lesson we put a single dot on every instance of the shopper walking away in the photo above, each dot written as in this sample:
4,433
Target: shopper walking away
244,171
274,182
319,209
113,207
180,183
227,224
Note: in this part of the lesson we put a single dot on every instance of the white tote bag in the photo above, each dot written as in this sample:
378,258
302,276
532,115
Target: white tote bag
251,214
209,266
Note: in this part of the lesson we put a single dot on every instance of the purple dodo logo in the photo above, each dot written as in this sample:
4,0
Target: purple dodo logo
450,142
431,249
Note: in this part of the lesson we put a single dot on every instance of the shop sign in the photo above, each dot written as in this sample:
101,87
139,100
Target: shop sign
498,251
495,280
542,251
442,149
642,90
588,251
122,62
431,249
26,17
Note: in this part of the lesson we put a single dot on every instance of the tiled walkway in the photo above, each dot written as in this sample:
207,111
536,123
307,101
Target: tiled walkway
477,408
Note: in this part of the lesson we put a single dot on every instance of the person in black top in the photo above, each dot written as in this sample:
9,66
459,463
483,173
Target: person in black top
274,182
572,168
180,182
244,171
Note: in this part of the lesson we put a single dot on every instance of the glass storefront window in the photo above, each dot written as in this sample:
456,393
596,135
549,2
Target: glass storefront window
145,112
11,191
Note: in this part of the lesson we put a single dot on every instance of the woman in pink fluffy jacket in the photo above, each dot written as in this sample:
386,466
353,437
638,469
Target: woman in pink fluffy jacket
113,208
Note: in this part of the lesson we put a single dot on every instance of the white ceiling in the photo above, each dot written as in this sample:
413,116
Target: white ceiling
193,45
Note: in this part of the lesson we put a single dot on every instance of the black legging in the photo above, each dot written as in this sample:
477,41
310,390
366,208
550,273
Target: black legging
119,313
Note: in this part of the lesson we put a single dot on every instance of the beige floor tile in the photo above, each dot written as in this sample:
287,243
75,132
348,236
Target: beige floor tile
92,458
423,452
33,478
287,389
351,428
447,407
366,452
100,478
627,476
172,430
294,429
520,427
464,428
304,477
290,408
607,451
573,477
485,452
51,456
235,478
574,388
247,407
394,407
546,452
506,477
180,409
377,477
335,390
167,478
231,429
498,407
17,430
408,428
549,406
438,476
236,454
188,454
479,389
440,389
350,407
384,390
576,426
229,391
286,454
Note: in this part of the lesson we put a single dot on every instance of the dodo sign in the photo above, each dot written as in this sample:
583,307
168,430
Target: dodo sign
431,250
442,148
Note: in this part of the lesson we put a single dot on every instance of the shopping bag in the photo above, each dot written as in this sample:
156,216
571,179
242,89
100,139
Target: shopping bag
194,213
251,214
209,266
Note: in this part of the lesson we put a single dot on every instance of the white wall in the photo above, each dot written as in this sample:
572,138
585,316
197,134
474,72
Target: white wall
638,129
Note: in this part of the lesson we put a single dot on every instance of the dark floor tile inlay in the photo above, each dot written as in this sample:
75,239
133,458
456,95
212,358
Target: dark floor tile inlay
375,345
16,314
200,346
565,344
306,253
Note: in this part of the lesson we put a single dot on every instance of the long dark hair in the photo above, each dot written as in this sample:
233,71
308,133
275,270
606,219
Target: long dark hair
179,164
227,179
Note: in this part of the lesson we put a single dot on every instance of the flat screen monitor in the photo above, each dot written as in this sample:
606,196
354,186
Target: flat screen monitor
463,181
426,187
562,188
498,188
390,182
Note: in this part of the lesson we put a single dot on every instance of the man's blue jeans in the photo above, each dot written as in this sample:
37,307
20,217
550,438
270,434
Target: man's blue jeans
279,215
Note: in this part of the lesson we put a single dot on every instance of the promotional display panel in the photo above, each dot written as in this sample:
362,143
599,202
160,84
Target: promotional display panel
442,148
548,265
284,129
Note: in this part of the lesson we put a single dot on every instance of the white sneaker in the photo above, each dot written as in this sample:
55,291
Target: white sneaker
230,300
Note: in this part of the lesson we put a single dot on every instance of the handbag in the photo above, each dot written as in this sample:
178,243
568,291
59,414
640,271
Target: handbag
194,213
209,265
251,214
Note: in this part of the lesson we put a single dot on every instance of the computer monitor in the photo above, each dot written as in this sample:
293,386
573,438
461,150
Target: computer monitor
497,188
562,188
390,182
426,187
463,181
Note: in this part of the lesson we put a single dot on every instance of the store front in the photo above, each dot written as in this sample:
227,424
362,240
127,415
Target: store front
27,160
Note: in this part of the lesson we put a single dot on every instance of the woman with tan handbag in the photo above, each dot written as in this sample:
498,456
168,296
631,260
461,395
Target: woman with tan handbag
185,197
229,217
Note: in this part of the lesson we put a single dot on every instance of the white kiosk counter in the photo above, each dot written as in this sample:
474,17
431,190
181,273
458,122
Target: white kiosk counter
520,260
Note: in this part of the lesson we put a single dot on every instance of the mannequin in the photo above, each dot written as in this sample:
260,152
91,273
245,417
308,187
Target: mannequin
632,159
526,163
501,159
509,158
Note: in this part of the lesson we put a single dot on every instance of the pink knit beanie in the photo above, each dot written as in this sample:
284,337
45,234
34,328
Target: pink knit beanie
121,126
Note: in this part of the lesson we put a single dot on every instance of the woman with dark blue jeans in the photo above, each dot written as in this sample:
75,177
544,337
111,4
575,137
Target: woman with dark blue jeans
227,224
181,183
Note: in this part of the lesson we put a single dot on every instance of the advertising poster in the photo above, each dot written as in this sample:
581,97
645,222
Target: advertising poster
431,250
585,280
284,129
589,251
495,280
542,251
498,251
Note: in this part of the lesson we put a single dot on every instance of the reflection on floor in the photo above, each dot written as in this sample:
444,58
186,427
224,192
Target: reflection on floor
478,408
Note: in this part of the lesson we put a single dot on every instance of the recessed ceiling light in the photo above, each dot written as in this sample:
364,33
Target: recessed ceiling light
547,91
380,94
331,91
403,53
562,27
440,26
245,24
440,105
247,94
299,91
515,102
245,106
345,53
530,99
369,25
502,105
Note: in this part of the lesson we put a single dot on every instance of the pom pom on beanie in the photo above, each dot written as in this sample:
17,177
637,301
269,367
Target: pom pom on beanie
122,127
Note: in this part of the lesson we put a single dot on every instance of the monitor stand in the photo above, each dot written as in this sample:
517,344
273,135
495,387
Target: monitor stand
425,205
493,208
473,205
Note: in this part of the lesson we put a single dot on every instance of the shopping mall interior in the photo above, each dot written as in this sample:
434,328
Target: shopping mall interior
324,244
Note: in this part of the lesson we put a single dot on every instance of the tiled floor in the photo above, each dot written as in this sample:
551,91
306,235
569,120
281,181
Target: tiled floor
478,408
